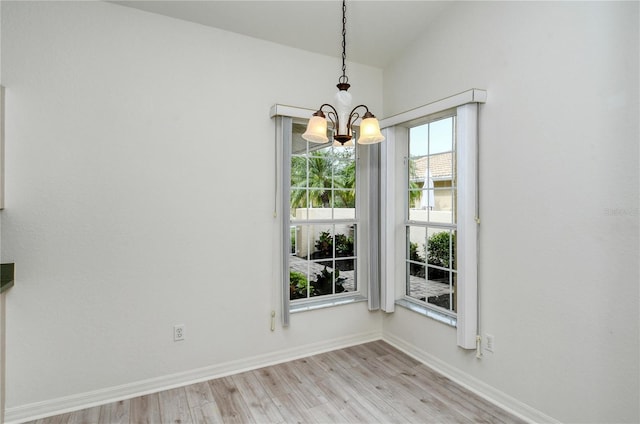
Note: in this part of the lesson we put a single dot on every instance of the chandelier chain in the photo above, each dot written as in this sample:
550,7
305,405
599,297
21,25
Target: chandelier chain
344,78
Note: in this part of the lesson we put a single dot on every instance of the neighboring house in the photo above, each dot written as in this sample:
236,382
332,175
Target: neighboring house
439,168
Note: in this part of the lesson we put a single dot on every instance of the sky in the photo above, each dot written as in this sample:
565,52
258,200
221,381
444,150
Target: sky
432,138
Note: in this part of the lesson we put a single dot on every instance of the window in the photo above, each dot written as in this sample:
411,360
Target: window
394,223
322,199
429,212
322,219
430,224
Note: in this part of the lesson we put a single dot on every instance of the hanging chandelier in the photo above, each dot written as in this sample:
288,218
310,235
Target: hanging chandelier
341,119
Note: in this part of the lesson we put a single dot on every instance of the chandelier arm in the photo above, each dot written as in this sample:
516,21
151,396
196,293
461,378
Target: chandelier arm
332,115
333,118
353,116
327,104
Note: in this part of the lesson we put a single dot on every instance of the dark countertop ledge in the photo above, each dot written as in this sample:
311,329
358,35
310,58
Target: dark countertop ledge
6,276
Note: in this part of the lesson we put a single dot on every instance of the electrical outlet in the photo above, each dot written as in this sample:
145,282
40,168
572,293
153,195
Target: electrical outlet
491,343
178,332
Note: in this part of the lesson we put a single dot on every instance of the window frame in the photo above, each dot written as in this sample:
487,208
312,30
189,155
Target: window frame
333,222
394,198
409,223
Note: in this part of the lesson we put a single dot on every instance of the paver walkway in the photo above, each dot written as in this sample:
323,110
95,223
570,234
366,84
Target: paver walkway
420,287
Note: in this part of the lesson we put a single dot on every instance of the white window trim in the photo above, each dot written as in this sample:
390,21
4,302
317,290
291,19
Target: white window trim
392,216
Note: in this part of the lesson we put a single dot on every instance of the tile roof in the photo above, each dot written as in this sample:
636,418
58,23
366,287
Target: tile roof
440,165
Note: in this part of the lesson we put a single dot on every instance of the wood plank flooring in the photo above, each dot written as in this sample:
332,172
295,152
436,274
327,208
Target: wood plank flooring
368,383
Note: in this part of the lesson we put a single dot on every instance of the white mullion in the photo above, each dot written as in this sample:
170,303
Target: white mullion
344,258
451,270
428,172
308,190
440,225
333,253
308,261
324,221
333,192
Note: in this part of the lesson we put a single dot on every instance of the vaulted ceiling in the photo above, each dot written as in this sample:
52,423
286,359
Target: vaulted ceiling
377,31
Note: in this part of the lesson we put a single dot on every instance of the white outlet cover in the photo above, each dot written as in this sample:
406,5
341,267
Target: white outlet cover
178,332
491,343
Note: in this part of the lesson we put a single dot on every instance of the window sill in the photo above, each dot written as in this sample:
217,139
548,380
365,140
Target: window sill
427,312
310,305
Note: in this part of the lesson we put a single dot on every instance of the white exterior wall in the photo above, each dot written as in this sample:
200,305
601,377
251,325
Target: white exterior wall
303,246
133,141
417,233
558,277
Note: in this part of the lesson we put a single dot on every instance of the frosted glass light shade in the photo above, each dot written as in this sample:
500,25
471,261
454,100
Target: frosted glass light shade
370,131
316,130
343,107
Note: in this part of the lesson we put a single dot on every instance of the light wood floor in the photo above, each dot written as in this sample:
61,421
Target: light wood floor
368,383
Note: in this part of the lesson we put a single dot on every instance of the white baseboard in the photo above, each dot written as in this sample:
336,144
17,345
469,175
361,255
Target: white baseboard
33,411
469,382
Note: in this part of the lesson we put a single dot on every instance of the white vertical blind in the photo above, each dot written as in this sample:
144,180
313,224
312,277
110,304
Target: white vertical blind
373,214
387,219
284,126
467,292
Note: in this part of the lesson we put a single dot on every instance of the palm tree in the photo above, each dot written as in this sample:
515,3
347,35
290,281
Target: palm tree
346,198
414,193
327,169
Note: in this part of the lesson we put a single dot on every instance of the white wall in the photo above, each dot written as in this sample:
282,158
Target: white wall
132,142
2,297
559,259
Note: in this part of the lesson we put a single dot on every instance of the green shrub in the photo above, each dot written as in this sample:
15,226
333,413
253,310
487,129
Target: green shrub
416,270
324,283
414,255
293,240
344,245
324,246
438,249
297,285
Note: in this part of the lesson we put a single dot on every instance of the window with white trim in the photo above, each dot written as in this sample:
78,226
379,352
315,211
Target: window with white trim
322,200
322,218
429,212
394,223
430,224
